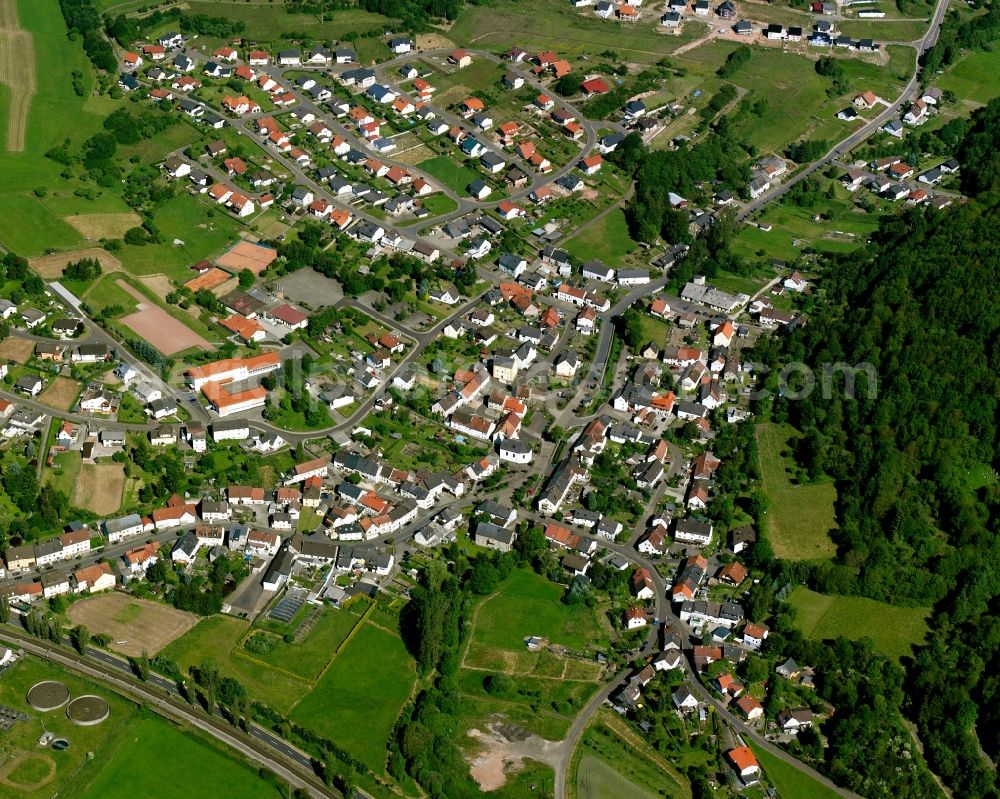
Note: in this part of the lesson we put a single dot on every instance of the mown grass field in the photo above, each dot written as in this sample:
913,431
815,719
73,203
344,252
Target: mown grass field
894,630
607,239
453,174
187,767
526,605
362,692
615,761
800,517
789,782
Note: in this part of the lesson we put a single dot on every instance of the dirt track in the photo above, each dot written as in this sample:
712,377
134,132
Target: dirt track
17,71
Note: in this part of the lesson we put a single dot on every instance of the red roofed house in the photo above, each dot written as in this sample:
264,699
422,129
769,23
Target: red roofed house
459,58
745,764
591,165
508,210
749,707
594,86
635,618
289,316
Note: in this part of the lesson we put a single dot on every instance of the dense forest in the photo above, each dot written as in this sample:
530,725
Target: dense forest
915,460
82,19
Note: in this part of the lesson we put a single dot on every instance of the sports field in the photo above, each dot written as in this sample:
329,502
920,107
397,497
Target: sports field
135,625
247,255
894,630
99,487
158,327
186,767
363,691
800,517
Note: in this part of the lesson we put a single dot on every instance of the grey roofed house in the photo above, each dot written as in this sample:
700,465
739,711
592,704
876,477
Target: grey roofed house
345,55
187,544
611,141
112,526
744,26
457,229
570,182
128,82
494,510
492,532
490,159
96,350
490,225
478,186
162,405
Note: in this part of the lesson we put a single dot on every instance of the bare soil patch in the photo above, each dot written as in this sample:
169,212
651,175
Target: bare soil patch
433,41
158,327
17,71
104,226
16,349
50,267
247,255
141,624
61,393
99,487
504,748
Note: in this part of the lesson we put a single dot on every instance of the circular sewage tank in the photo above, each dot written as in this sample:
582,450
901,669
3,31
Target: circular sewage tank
60,744
87,710
48,695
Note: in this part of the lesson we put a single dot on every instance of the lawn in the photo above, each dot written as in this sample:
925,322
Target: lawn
842,229
607,240
63,474
363,691
213,640
450,172
194,767
895,630
527,604
789,782
800,517
439,204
